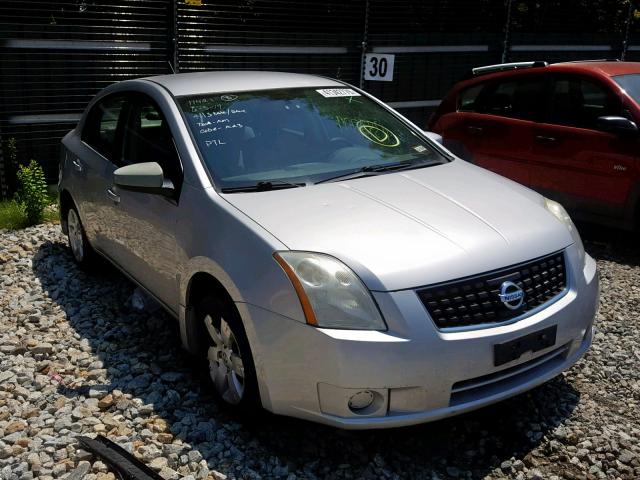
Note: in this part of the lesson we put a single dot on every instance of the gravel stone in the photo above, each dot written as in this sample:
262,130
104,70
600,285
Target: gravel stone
158,463
77,359
43,347
80,471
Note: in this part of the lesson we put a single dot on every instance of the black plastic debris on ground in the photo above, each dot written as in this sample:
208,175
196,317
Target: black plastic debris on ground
122,462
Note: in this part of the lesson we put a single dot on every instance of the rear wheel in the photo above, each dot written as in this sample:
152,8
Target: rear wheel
231,367
81,250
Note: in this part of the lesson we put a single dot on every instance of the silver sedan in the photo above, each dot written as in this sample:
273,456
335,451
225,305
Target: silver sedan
330,260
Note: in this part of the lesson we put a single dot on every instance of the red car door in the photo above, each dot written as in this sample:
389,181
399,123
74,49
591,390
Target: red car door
588,170
493,124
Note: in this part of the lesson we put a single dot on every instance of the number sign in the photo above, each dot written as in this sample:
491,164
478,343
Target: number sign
378,67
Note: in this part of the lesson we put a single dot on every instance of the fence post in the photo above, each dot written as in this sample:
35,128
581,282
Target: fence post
625,42
506,45
173,37
364,42
3,172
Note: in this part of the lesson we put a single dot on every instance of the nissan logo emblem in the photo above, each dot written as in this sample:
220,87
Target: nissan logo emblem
511,295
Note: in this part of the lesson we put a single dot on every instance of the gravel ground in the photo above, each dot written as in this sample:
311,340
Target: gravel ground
76,359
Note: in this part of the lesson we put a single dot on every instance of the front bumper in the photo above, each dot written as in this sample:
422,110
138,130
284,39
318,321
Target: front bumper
416,372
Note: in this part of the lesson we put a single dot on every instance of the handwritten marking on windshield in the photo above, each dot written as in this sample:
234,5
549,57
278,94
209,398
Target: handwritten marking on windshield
202,116
215,143
211,122
377,133
219,128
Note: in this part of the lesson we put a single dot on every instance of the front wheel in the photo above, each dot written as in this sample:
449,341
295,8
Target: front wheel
229,356
81,250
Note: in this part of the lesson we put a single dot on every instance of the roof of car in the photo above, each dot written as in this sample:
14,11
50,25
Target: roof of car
199,83
609,68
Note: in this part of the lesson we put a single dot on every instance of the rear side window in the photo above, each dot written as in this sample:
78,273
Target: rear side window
101,128
514,98
578,102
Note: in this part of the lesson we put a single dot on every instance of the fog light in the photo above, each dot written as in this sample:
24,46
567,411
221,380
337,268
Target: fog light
352,402
361,400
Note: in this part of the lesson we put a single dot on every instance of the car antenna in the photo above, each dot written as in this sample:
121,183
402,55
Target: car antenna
173,70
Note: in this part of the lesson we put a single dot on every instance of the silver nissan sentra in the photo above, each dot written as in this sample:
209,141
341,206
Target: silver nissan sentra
330,260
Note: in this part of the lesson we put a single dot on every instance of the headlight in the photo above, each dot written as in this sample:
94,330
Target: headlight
330,293
561,214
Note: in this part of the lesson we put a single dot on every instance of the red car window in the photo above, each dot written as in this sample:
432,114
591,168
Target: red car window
512,97
579,101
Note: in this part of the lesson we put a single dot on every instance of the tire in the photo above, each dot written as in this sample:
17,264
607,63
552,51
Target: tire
231,368
81,251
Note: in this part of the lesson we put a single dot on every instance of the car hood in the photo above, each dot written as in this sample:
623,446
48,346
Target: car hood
407,229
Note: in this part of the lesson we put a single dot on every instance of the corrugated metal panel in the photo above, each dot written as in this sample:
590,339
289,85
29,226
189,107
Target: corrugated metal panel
402,18
633,42
318,37
56,54
586,17
461,34
557,30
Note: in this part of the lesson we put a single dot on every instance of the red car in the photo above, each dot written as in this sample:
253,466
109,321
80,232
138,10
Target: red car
568,130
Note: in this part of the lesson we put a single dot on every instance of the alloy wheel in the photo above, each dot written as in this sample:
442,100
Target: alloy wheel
226,367
76,240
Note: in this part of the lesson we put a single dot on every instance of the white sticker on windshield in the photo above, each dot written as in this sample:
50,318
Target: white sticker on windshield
338,92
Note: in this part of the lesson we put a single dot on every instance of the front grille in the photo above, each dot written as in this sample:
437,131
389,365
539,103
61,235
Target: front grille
476,300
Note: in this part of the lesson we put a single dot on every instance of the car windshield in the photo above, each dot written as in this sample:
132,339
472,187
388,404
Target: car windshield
295,137
631,84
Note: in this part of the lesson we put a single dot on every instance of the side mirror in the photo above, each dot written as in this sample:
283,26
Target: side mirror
143,177
434,136
619,125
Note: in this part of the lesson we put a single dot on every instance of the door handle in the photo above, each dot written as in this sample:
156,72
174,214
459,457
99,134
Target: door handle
113,196
545,139
475,129
77,164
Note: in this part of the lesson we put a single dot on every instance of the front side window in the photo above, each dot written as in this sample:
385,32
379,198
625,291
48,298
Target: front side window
578,102
299,135
147,138
101,127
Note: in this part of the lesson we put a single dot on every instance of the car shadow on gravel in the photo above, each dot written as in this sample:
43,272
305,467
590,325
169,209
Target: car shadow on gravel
605,243
139,354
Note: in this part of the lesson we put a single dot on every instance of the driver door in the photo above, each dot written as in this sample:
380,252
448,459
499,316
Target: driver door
142,225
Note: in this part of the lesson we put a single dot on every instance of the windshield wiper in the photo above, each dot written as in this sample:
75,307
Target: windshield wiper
371,170
263,186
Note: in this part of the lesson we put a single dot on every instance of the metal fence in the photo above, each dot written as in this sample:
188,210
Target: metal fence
56,54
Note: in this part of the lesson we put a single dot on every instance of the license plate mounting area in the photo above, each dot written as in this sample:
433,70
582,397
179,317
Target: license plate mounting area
533,342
